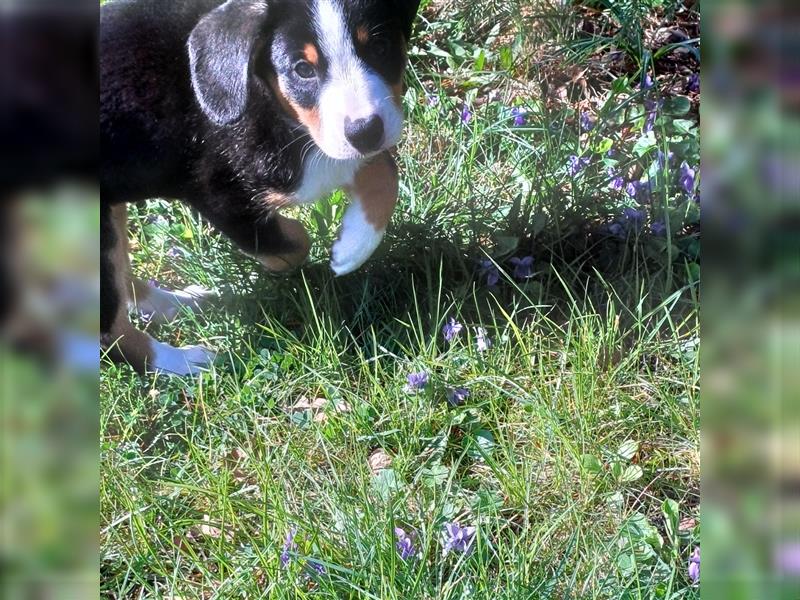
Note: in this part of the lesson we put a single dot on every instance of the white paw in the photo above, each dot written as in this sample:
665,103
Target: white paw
353,250
163,306
357,241
189,360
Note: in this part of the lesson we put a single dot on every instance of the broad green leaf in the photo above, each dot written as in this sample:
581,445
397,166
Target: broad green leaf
628,449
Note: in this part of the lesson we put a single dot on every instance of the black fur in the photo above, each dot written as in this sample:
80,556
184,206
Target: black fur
187,111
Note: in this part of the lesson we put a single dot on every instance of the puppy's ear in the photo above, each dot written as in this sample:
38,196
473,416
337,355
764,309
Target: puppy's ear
220,48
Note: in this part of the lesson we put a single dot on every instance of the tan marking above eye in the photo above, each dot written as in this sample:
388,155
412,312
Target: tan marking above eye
311,54
362,35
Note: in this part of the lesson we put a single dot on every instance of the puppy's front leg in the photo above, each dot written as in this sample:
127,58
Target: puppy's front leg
374,196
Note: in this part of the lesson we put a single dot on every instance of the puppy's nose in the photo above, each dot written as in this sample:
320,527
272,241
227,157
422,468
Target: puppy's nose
365,135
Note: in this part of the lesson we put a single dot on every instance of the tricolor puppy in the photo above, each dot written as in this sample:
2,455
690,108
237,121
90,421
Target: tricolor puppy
238,109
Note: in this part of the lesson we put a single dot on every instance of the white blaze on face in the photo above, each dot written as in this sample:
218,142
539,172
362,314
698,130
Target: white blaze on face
351,89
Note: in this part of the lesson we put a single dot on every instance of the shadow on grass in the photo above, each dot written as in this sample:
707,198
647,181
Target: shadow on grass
423,277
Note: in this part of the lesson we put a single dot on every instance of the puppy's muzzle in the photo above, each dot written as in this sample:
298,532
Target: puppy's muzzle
365,135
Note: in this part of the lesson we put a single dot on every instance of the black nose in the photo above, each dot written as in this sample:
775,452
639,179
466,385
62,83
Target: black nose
365,135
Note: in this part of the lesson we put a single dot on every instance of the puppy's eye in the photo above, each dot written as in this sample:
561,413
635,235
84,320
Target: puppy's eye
305,70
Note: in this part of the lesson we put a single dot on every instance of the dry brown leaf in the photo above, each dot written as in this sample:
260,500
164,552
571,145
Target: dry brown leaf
209,530
378,461
317,406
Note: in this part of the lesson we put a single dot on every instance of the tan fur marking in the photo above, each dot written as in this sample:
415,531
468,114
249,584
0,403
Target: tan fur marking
362,35
275,200
294,231
376,184
284,101
311,54
308,117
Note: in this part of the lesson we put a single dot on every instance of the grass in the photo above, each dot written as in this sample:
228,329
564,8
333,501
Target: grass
575,455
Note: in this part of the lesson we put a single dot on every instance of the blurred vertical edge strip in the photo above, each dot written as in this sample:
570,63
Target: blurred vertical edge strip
751,329
49,299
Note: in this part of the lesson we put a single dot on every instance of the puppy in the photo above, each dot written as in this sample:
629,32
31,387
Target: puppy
239,109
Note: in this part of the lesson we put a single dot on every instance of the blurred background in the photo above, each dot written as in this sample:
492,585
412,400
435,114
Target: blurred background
49,304
50,300
751,345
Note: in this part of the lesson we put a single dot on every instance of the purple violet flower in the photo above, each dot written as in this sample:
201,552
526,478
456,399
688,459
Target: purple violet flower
577,164
175,252
694,566
787,559
634,218
416,381
458,538
490,271
664,158
693,83
658,229
639,191
316,568
523,267
617,181
432,100
519,116
457,396
482,340
616,230
451,330
686,178
404,544
466,115
652,107
288,546
647,82
650,122
587,123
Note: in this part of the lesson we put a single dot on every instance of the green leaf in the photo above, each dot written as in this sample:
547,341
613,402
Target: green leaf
620,85
487,502
694,272
480,61
628,449
506,58
626,564
603,146
386,483
677,105
506,244
684,126
591,463
672,519
631,473
645,143
435,475
482,444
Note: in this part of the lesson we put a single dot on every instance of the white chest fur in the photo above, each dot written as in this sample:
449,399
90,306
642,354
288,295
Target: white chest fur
322,175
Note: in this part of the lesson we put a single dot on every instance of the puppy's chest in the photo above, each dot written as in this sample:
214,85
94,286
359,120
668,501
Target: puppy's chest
321,176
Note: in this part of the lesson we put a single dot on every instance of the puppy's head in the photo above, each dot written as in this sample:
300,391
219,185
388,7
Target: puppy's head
336,66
